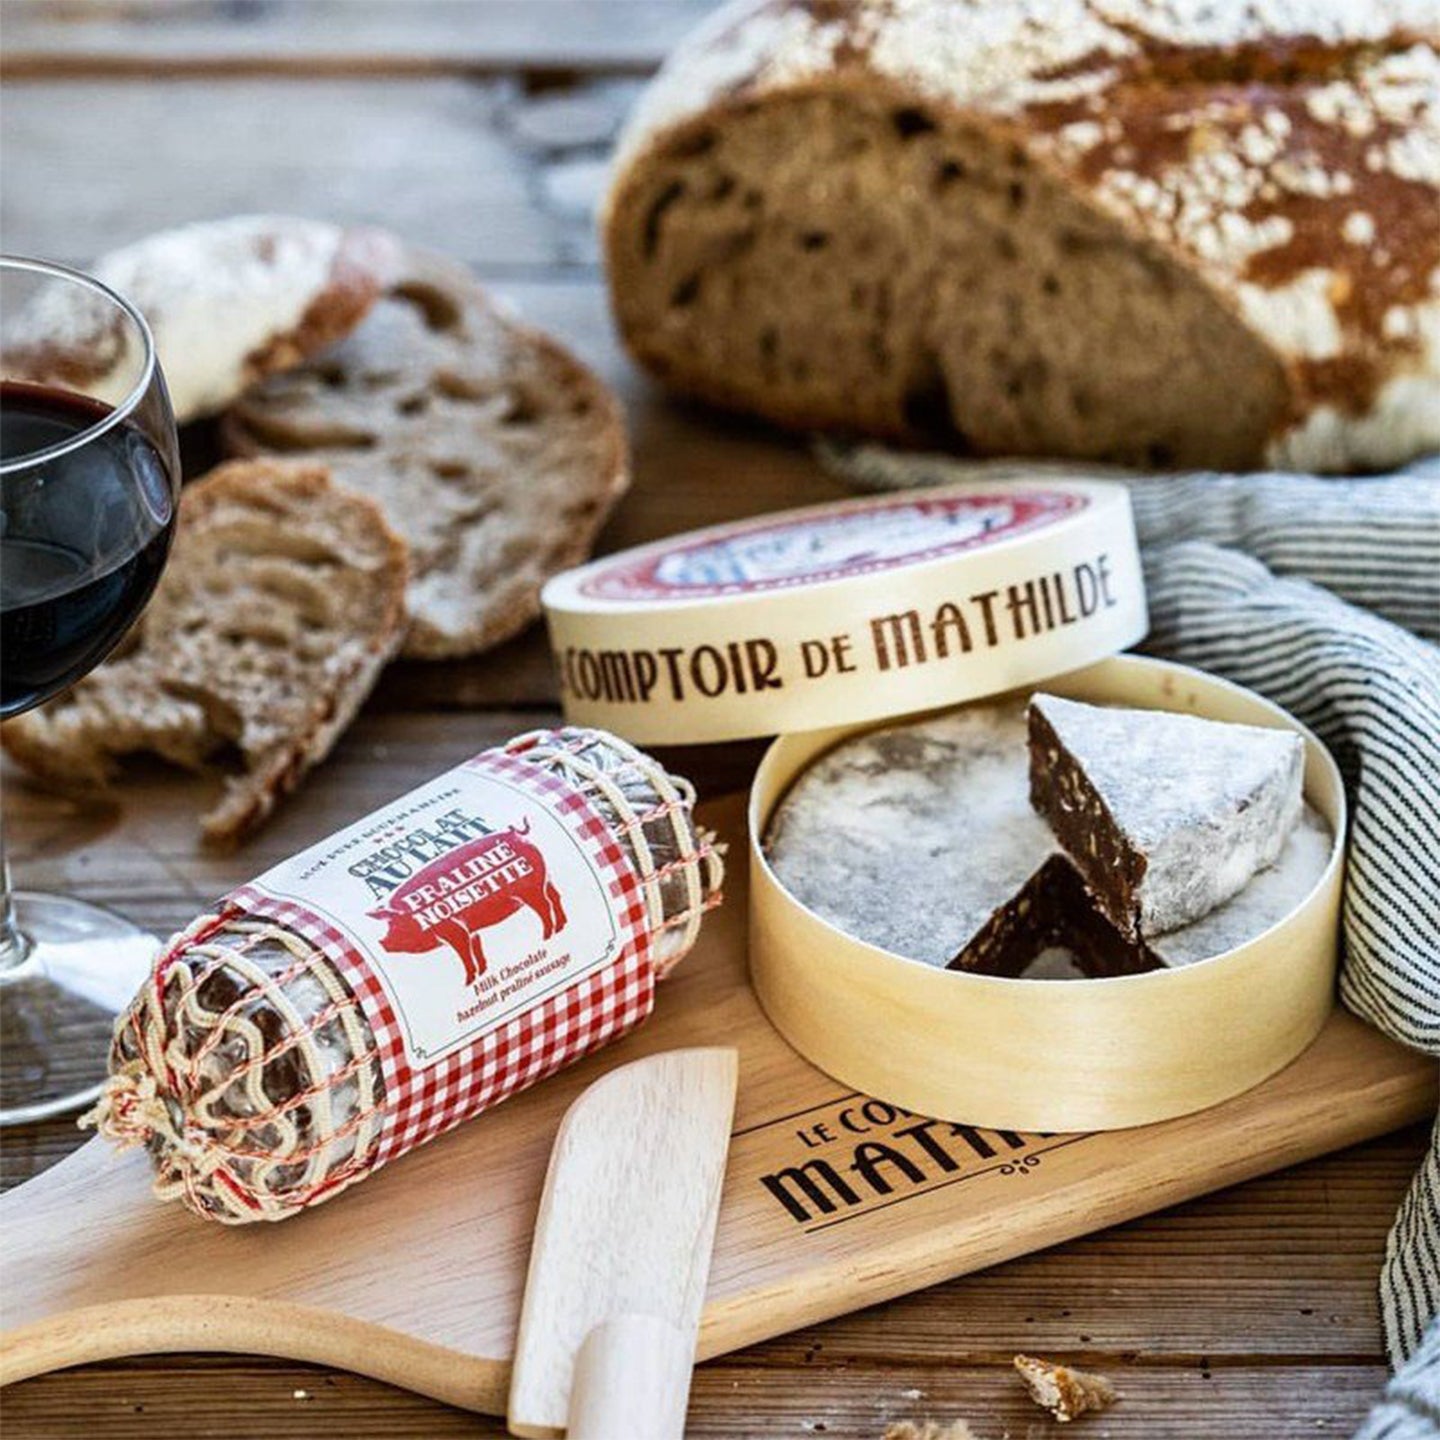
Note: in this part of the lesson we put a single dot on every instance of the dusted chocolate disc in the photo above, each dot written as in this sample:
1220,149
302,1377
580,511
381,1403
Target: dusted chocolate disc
920,838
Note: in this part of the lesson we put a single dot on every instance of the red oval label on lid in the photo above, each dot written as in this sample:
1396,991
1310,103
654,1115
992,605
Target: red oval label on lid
851,540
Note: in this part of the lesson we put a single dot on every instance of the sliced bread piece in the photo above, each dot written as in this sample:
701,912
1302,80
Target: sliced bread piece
493,451
1165,815
228,301
282,601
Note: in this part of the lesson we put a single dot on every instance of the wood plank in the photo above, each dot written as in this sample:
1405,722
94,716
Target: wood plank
1245,1402
427,158
1240,1403
320,36
1281,1266
219,1399
491,171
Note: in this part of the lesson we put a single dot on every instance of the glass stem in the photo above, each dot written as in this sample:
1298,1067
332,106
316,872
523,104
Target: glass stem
14,943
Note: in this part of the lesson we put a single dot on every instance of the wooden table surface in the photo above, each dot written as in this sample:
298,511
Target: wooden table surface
481,127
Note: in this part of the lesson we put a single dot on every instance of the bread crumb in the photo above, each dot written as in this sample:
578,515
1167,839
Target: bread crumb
929,1430
1064,1392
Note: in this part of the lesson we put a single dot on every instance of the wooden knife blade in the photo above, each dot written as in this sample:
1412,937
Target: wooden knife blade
621,1252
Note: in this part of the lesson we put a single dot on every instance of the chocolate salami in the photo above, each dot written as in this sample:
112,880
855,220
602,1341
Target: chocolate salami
408,972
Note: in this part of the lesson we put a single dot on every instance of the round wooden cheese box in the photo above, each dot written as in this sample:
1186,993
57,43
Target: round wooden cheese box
819,625
1047,1055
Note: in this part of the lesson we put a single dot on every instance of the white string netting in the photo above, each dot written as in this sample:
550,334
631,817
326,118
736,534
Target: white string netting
246,1066
650,812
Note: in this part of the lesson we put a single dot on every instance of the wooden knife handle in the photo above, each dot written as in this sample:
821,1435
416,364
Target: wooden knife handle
632,1381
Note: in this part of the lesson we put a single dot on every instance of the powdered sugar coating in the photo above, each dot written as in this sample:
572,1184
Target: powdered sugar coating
1269,897
911,837
1208,804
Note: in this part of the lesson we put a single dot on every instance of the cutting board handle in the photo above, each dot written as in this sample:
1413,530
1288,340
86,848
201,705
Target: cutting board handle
632,1381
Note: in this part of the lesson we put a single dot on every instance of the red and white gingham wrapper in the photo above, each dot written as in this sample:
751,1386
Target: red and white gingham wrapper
421,1103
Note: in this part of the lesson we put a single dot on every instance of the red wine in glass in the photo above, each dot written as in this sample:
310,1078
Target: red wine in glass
89,484
80,555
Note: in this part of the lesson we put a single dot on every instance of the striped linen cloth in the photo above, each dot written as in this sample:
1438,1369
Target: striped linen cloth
1323,594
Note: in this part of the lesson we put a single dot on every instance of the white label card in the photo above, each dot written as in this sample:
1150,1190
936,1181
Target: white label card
470,900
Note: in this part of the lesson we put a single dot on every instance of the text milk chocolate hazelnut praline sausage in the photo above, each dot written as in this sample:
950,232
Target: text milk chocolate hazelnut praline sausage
278,1053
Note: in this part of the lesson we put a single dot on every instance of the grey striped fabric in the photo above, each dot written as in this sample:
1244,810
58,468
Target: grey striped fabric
1369,540
1410,1407
1325,596
1371,691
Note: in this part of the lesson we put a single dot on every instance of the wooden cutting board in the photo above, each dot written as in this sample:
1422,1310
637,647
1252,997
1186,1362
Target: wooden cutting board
831,1202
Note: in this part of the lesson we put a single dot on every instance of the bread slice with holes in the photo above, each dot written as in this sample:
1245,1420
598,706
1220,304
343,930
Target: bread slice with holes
493,451
281,603
1168,235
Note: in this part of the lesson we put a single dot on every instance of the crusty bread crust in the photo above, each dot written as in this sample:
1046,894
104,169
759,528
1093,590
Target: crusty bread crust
232,301
147,697
1286,158
365,262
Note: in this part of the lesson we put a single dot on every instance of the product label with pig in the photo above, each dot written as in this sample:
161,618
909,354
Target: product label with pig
470,901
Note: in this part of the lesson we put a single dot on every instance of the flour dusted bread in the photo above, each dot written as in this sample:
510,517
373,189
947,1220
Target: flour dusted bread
228,302
1166,816
282,601
1152,232
493,451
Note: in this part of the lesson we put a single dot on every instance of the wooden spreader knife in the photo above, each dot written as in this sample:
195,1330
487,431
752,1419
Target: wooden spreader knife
622,1251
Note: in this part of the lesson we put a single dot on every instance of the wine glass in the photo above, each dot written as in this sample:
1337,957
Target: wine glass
89,482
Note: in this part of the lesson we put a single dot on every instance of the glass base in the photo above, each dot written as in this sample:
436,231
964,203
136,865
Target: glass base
58,1005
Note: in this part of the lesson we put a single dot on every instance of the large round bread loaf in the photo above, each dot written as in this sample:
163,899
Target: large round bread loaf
1162,232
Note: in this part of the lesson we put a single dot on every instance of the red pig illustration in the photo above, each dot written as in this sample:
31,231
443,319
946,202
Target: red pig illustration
474,886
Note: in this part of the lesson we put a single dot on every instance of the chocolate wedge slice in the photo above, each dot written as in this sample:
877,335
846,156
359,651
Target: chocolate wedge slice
1166,816
1054,907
